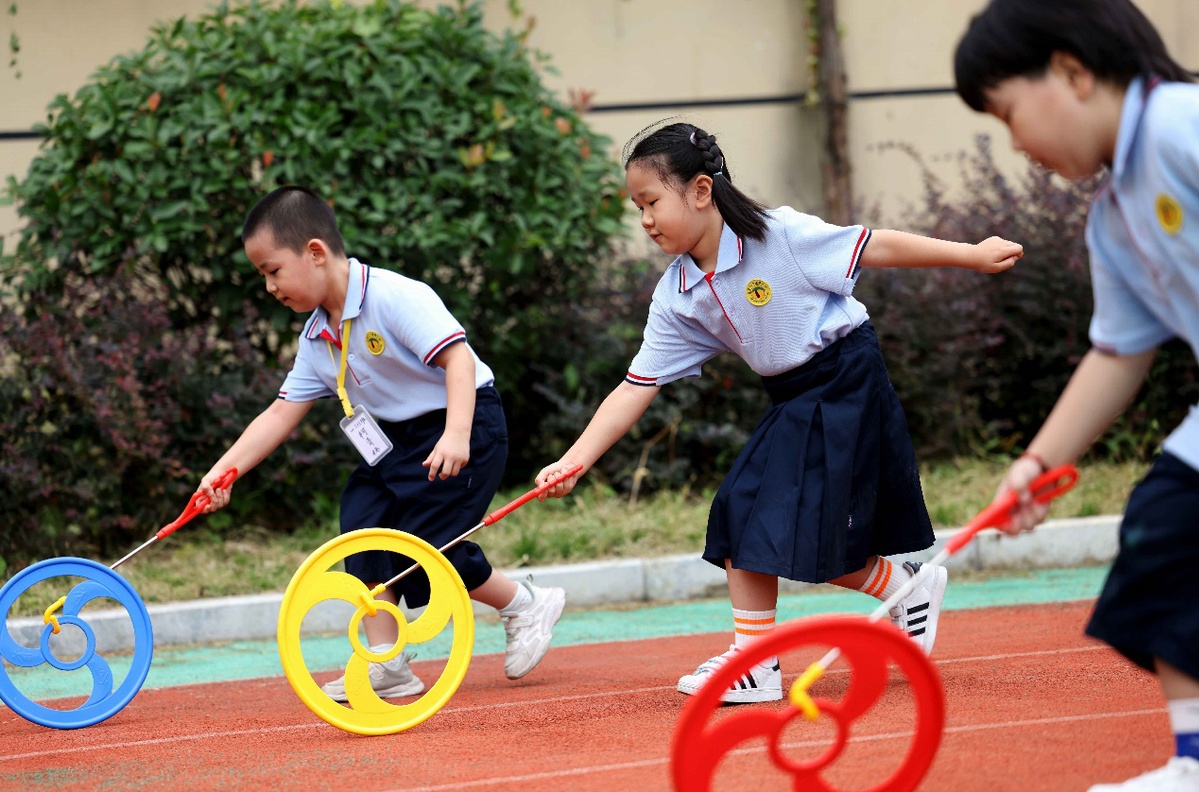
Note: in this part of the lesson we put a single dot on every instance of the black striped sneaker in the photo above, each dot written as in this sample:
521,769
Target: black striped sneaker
762,682
917,613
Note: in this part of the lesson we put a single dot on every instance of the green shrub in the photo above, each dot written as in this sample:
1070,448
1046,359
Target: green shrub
433,138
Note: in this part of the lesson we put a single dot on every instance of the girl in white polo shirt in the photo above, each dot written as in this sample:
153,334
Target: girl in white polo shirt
827,485
1085,85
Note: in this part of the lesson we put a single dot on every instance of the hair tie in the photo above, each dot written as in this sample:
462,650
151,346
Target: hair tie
693,139
718,173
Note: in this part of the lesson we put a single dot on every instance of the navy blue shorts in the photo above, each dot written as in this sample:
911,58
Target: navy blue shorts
397,493
829,476
1149,606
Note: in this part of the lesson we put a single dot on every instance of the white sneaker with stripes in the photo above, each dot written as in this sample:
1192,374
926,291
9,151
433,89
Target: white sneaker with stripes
763,682
917,613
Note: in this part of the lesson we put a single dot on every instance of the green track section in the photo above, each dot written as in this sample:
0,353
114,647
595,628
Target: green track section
173,666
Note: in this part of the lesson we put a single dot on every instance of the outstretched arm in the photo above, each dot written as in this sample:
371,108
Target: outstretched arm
264,434
1100,389
624,407
888,248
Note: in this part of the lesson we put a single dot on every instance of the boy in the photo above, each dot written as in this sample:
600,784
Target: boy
436,459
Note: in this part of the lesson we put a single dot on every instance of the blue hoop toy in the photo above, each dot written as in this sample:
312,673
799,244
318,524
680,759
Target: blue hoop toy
104,702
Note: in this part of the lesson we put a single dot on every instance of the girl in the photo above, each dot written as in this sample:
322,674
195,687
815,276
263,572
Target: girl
828,482
1085,85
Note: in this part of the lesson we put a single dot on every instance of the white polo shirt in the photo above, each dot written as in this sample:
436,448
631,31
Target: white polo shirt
774,303
1143,234
397,326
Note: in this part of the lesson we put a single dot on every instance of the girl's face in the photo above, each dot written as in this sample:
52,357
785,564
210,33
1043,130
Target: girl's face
292,278
1063,120
672,219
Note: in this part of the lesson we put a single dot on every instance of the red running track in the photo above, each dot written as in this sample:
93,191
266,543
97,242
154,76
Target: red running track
1031,705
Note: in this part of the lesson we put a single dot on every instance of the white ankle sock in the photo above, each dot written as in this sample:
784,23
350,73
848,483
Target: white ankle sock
522,600
748,626
885,579
1184,721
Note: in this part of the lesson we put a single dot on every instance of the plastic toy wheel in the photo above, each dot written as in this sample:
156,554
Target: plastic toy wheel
104,701
315,582
868,648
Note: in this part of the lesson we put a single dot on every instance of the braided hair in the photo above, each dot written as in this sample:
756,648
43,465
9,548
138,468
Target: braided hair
678,153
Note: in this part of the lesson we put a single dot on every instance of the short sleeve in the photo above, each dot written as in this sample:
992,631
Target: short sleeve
421,322
1121,324
302,383
828,255
667,353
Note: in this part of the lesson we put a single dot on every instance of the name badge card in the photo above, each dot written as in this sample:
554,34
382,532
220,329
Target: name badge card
366,435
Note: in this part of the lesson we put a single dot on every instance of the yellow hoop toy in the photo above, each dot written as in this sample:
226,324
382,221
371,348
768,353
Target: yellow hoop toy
315,582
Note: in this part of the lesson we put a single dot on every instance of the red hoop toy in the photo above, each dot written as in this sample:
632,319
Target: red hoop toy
869,646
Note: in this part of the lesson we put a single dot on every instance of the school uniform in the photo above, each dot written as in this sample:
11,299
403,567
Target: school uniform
829,476
1143,237
397,326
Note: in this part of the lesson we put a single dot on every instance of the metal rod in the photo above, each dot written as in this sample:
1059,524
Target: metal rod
494,517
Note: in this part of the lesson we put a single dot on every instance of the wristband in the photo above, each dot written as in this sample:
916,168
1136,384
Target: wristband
1036,458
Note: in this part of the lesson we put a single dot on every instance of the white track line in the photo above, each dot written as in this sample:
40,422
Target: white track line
180,738
608,768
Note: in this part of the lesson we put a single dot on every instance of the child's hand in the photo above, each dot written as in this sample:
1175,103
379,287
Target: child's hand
1028,513
449,456
995,254
217,498
563,487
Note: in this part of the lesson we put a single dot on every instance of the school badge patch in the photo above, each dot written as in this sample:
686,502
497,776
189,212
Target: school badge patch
757,291
374,342
1169,214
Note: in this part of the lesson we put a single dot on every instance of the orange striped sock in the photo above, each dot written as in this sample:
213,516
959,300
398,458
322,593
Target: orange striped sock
751,625
885,579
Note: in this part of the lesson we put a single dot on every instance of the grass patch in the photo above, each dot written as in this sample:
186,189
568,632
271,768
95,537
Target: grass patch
593,523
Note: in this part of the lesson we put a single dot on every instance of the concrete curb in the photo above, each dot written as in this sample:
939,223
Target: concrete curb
1056,544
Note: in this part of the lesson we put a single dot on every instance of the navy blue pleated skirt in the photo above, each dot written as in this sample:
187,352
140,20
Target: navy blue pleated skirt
829,476
396,493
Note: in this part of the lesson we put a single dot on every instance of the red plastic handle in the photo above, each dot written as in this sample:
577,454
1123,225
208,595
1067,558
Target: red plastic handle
503,511
1044,488
197,504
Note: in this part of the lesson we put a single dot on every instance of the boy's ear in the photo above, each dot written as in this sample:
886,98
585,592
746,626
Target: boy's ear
318,250
1076,74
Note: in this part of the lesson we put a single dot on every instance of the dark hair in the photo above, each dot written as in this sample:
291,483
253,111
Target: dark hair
1017,38
294,215
678,152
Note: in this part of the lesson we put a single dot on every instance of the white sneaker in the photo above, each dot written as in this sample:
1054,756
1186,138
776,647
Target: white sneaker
390,679
917,613
1181,774
763,682
529,631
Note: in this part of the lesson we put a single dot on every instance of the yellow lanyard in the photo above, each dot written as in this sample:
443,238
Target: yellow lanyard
341,374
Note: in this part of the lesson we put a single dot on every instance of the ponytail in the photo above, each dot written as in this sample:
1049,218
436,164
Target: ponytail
678,153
